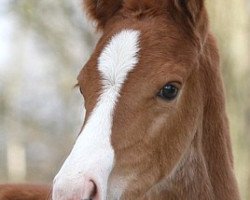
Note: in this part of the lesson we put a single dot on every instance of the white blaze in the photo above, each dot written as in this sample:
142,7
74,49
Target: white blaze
92,155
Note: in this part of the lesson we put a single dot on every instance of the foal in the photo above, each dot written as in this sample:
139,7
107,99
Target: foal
155,127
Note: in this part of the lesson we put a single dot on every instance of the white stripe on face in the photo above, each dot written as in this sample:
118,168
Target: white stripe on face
92,156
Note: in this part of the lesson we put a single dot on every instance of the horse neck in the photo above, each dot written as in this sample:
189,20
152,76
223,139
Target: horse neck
216,143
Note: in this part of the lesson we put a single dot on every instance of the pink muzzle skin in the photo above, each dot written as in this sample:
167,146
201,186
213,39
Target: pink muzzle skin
90,191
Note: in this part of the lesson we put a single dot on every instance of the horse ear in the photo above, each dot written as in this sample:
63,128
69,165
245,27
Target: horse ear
192,15
102,10
190,8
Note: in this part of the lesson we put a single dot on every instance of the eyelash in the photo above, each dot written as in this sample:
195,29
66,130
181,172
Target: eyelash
77,86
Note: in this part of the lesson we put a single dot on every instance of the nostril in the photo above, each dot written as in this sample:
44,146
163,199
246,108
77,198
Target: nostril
94,189
90,190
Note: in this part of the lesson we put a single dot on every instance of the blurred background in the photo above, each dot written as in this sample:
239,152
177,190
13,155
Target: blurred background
43,45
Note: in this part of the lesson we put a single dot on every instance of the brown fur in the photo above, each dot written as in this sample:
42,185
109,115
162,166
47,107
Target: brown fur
172,150
24,192
178,150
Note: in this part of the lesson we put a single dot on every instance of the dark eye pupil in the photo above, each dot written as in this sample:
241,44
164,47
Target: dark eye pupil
168,92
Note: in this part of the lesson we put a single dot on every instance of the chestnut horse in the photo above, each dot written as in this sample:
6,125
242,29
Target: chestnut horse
155,126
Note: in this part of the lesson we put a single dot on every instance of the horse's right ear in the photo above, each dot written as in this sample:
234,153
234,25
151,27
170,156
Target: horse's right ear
192,15
191,9
102,10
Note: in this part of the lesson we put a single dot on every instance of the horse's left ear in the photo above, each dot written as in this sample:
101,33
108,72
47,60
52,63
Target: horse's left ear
102,10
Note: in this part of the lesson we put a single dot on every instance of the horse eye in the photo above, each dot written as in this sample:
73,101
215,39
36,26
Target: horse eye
169,92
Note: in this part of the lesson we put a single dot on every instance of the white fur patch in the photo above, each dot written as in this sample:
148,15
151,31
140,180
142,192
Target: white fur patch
92,155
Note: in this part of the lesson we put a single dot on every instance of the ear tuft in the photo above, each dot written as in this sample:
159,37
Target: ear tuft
191,9
102,10
192,15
